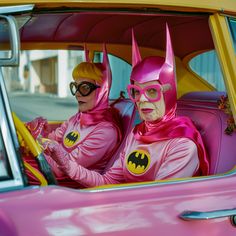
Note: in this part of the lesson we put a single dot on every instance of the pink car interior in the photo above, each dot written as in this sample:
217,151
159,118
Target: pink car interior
127,111
90,27
202,108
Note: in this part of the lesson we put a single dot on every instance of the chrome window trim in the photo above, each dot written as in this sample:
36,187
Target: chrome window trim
10,140
231,173
16,9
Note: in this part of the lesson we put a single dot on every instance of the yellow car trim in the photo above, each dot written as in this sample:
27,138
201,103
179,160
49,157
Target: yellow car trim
226,53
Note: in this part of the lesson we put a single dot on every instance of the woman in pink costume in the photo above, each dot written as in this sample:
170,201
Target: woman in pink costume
90,137
163,146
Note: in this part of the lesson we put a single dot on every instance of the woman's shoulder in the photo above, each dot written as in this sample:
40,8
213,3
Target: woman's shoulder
106,125
182,142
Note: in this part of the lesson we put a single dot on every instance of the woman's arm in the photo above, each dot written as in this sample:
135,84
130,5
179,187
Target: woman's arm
84,176
97,145
181,160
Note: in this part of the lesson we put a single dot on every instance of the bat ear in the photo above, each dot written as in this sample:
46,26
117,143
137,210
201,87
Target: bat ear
136,57
169,59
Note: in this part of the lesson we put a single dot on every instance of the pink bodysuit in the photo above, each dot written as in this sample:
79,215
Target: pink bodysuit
173,158
91,146
80,141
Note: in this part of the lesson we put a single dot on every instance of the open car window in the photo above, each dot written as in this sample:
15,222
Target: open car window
206,65
39,86
52,37
232,26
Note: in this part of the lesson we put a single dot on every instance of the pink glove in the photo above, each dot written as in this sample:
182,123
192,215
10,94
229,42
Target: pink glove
38,127
44,143
59,155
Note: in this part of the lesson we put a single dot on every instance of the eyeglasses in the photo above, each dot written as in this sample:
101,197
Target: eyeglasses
84,88
151,92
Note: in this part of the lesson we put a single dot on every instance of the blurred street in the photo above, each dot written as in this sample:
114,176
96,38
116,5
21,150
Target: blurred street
28,106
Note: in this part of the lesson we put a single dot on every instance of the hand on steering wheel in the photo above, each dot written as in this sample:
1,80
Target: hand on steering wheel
36,150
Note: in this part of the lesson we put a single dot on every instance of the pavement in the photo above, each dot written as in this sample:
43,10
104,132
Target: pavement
29,106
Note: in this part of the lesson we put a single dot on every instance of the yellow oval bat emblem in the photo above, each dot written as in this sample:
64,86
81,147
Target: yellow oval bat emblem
71,138
138,161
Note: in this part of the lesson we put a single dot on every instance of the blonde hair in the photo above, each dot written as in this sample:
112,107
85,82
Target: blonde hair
87,70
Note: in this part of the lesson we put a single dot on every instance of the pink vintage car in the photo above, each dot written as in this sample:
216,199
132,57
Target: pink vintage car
46,39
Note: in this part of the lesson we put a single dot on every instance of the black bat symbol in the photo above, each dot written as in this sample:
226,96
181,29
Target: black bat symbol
135,158
72,136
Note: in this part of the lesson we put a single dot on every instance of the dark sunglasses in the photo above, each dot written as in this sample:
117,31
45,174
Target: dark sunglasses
84,88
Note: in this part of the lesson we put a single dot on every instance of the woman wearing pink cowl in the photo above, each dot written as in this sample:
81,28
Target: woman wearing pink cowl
90,137
163,146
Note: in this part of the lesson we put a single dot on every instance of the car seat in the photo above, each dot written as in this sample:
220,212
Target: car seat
126,110
211,122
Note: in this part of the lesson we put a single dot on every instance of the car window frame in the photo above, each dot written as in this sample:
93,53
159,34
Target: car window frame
9,136
10,143
225,51
176,181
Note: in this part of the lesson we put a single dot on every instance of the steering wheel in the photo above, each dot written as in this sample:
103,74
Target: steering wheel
35,149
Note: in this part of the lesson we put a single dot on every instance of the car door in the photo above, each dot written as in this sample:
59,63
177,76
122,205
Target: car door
200,206
193,206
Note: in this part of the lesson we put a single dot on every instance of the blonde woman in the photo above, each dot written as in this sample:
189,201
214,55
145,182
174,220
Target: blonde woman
90,137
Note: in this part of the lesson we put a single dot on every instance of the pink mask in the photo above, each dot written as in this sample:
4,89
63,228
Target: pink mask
102,94
156,68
